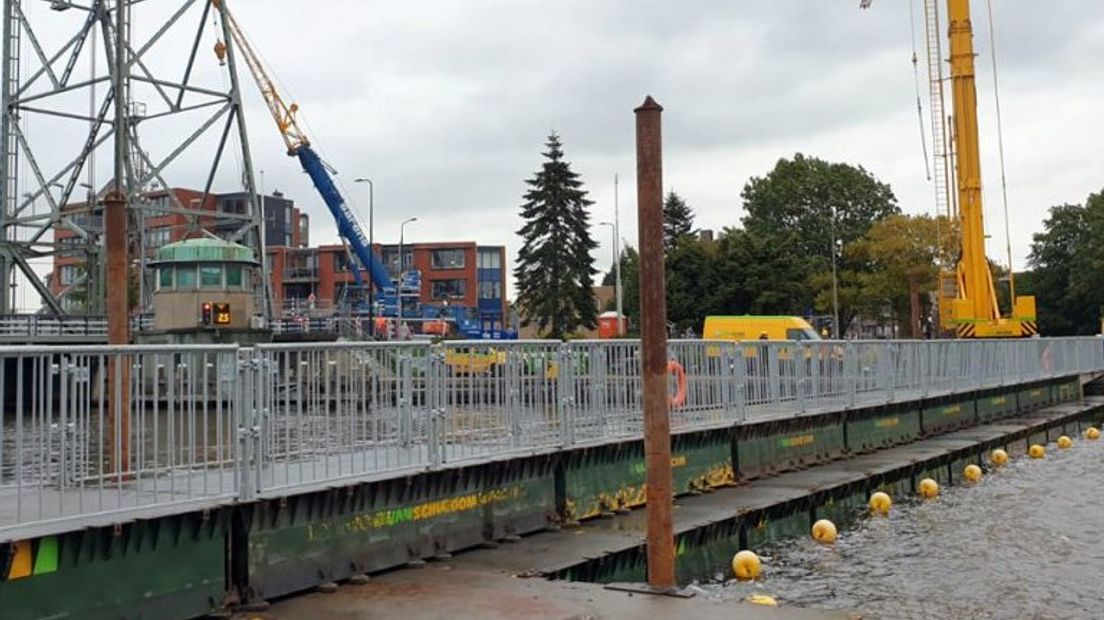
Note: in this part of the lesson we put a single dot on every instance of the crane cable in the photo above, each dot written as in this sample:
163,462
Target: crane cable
1000,150
940,254
916,83
301,118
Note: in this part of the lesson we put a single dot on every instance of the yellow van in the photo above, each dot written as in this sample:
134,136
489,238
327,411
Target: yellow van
758,328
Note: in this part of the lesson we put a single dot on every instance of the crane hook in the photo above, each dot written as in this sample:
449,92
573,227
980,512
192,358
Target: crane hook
220,52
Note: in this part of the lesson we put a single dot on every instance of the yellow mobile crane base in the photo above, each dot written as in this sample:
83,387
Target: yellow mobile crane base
967,298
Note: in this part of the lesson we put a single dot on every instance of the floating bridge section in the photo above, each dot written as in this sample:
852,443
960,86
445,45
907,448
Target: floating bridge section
217,474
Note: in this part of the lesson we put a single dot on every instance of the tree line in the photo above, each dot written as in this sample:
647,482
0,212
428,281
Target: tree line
800,220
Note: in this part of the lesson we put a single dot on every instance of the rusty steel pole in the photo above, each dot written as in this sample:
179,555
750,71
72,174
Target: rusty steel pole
117,249
653,345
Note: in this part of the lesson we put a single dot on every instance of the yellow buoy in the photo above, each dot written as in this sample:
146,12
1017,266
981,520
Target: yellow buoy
1092,433
824,531
746,565
762,599
880,503
972,473
928,488
1036,451
998,457
1064,442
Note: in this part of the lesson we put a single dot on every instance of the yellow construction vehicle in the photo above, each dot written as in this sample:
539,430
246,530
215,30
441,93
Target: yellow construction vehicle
967,298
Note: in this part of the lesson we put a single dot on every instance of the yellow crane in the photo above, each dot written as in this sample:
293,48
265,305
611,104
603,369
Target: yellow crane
967,296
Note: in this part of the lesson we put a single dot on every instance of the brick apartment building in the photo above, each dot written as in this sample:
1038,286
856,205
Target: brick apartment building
461,273
284,224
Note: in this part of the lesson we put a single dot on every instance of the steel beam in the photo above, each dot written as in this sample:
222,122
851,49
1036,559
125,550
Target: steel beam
53,69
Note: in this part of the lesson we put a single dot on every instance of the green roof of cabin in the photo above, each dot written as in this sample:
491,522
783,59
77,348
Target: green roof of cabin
204,250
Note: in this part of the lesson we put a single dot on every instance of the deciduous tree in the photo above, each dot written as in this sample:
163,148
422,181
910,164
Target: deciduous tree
1067,261
815,207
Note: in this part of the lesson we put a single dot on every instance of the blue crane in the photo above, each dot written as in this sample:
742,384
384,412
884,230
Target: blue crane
466,319
299,146
347,225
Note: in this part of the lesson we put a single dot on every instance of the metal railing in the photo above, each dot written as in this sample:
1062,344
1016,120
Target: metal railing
30,327
297,307
335,410
93,431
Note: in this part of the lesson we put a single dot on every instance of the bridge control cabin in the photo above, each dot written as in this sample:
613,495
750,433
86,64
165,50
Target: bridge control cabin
206,293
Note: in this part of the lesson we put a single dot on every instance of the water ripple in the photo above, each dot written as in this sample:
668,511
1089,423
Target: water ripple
1024,543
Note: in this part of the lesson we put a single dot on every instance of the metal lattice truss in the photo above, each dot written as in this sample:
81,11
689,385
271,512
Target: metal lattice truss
184,120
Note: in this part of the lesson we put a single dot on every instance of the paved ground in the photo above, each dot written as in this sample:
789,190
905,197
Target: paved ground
452,590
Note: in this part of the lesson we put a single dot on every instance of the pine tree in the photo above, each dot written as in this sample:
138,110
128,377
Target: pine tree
555,271
678,221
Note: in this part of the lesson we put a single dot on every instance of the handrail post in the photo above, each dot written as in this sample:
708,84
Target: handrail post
890,372
565,381
851,372
435,403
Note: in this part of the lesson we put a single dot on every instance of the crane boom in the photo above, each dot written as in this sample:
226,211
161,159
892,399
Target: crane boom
283,114
976,312
976,278
299,146
967,297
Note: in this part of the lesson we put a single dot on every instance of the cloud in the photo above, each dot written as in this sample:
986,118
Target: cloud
446,105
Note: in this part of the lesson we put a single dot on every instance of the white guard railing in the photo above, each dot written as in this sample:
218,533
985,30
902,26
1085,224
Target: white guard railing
204,424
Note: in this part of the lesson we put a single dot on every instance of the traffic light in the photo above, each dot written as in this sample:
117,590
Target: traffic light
205,315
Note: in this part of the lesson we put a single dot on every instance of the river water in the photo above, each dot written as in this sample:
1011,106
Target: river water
1026,542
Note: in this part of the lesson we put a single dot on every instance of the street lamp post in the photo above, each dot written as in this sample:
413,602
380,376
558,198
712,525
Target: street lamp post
402,261
616,271
617,258
835,283
371,247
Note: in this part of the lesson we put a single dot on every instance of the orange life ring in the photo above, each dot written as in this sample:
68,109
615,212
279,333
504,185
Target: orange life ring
675,368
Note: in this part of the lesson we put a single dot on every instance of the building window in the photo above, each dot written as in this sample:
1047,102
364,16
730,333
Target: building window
161,204
448,289
446,259
165,277
157,237
210,276
342,261
186,277
304,230
69,274
233,276
390,258
490,259
490,290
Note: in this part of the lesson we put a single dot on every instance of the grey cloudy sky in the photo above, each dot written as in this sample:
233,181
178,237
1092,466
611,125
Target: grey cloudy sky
446,104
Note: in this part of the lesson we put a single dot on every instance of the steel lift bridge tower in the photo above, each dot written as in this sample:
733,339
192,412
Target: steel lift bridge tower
130,85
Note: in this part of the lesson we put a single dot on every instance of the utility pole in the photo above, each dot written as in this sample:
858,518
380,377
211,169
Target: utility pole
116,240
835,284
371,248
402,263
653,345
617,257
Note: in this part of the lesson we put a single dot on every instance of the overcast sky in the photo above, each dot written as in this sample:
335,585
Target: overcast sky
446,104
